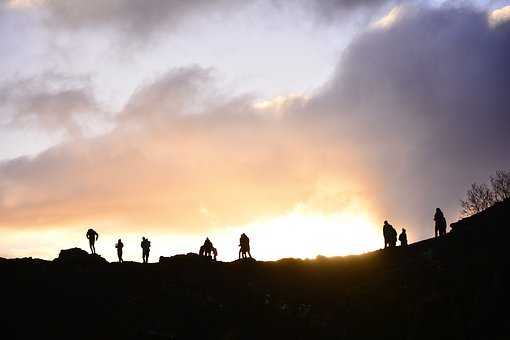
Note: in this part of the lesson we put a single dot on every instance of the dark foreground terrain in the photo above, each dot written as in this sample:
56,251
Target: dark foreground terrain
451,288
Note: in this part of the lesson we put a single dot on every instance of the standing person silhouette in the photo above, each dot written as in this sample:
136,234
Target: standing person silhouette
403,238
440,223
244,244
119,247
387,233
215,253
92,237
146,247
393,237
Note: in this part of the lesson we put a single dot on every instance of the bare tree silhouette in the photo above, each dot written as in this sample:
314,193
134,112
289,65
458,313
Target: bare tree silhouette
501,185
480,196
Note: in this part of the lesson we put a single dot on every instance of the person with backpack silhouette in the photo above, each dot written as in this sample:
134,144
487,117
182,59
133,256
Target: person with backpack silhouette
119,247
403,238
440,223
244,244
146,248
92,236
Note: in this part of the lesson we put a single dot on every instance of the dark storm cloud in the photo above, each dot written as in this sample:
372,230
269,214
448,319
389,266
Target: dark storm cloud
435,83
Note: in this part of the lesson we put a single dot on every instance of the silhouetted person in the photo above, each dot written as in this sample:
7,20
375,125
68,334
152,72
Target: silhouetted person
244,244
208,246
440,223
393,237
403,238
387,234
215,253
119,247
92,237
207,249
146,248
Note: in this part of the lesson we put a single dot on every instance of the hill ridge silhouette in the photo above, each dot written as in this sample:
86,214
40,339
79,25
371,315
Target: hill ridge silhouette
452,287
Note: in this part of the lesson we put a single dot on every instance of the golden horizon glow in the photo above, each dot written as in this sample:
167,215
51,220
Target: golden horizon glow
297,234
307,235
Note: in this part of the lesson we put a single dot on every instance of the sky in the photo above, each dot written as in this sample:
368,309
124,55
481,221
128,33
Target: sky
304,124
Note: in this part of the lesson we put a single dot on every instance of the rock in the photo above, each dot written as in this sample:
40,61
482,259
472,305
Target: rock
246,260
79,256
183,258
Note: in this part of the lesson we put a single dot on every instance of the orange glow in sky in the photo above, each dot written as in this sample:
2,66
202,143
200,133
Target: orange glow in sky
296,234
306,235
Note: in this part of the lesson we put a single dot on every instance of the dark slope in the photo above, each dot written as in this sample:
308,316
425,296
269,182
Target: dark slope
454,288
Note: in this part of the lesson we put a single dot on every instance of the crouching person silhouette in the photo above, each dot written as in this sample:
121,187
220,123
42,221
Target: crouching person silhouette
208,250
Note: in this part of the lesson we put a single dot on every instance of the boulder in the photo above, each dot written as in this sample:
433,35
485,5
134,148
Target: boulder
246,260
184,258
78,256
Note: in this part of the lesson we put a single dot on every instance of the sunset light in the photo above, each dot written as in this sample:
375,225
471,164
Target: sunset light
254,169
308,235
304,124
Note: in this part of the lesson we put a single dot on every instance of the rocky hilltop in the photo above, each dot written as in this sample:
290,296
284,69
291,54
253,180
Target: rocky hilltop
455,287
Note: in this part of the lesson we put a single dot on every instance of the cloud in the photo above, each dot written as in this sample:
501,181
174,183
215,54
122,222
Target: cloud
427,96
22,4
281,105
334,10
412,115
165,164
499,16
140,20
389,19
50,102
136,18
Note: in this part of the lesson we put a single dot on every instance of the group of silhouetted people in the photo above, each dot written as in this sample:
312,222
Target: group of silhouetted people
390,234
207,249
92,236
